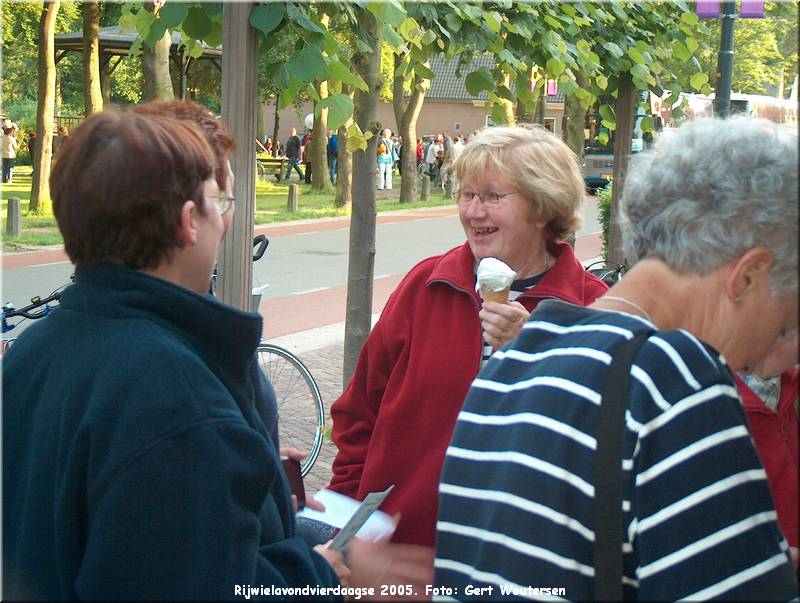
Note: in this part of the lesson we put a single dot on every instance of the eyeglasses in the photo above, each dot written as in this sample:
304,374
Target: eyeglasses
224,202
490,199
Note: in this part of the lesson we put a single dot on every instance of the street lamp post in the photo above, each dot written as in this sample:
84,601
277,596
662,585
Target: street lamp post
725,60
710,9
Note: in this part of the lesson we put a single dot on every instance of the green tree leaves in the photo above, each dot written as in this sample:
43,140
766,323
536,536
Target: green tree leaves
340,108
197,24
479,81
266,17
307,64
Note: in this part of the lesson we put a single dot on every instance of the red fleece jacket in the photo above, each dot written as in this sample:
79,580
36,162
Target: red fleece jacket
393,423
776,440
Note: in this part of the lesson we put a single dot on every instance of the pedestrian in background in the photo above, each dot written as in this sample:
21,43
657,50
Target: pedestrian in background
399,153
8,147
385,160
62,135
305,153
333,155
292,150
710,225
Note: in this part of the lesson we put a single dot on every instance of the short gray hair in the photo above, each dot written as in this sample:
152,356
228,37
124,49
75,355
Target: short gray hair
710,191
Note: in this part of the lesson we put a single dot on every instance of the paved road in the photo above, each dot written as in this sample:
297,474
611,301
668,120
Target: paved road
305,265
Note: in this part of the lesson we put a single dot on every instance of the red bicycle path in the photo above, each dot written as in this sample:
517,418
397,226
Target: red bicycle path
293,313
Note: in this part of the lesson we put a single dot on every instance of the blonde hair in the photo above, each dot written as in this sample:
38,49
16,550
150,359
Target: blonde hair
538,164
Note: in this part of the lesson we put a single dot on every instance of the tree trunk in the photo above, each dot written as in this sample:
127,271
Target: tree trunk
92,93
624,108
344,167
575,118
508,106
45,113
344,173
362,223
575,114
320,179
59,99
105,78
155,64
260,129
397,91
525,111
407,121
524,114
276,127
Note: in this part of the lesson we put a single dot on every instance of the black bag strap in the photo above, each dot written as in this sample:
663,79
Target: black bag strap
609,520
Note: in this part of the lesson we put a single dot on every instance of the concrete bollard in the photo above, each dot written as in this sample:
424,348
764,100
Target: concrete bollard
292,204
448,188
13,218
425,194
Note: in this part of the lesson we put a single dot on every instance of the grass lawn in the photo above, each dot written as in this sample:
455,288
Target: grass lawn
271,206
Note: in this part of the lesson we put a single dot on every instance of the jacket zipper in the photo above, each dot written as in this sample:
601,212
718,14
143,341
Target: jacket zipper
478,308
785,437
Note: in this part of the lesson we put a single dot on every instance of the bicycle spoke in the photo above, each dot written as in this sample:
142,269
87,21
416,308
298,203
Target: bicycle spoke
300,411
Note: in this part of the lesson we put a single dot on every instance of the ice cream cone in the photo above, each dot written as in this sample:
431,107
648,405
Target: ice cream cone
500,297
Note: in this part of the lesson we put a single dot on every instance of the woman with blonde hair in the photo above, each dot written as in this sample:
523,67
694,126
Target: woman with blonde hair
385,160
520,195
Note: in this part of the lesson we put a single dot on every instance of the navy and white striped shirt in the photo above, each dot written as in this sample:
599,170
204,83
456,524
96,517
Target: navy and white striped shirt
515,499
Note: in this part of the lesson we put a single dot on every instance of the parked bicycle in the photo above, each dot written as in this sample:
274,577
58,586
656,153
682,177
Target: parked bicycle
433,172
608,272
38,308
301,413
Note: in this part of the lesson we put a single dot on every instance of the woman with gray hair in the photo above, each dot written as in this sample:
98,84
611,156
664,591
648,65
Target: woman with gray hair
711,217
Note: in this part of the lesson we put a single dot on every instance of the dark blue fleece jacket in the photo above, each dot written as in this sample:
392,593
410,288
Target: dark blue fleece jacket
134,463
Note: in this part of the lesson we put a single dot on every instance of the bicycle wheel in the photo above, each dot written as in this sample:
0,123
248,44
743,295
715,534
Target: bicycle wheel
261,170
422,170
7,343
301,415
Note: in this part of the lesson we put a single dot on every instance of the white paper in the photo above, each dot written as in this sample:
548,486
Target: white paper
339,509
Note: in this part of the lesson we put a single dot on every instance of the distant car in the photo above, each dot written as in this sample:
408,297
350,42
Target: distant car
598,169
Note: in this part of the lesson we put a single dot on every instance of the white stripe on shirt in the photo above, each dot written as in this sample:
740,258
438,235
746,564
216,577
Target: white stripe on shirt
510,456
531,418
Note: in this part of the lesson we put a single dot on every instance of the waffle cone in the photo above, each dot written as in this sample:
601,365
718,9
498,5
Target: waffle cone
500,297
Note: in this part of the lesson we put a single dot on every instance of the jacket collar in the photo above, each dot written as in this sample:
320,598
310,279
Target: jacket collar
225,337
565,279
790,384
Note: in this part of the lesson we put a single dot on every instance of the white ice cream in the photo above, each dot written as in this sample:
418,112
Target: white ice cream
494,274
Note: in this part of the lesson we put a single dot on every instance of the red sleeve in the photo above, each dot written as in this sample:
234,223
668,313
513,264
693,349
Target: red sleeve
355,413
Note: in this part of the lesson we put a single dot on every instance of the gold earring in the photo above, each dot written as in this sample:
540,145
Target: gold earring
738,300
